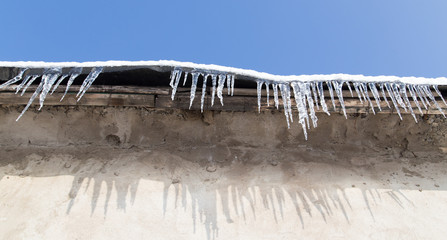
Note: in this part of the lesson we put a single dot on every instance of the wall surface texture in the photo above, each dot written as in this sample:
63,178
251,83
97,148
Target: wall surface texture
136,173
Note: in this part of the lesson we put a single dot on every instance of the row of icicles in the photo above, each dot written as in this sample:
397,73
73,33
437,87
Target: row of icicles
307,95
51,78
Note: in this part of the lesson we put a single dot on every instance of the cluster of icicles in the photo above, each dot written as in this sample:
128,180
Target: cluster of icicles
51,78
308,96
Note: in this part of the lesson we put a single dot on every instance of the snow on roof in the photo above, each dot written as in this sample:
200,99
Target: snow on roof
229,70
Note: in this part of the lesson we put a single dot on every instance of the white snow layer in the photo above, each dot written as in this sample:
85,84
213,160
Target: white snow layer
307,90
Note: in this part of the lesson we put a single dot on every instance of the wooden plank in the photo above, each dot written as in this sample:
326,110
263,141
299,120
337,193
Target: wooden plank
102,89
238,103
91,99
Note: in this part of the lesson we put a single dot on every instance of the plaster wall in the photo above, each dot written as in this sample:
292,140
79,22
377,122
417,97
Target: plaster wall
136,173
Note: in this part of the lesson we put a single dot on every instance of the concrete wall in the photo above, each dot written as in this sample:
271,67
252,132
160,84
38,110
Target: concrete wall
128,173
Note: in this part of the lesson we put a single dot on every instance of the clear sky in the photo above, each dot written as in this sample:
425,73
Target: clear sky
371,37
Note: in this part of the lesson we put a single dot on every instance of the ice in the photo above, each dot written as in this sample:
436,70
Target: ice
301,106
356,88
308,90
33,78
364,90
331,93
74,73
285,95
267,89
375,93
14,79
24,81
338,85
321,94
202,99
275,95
88,81
213,90
220,87
31,100
384,95
403,91
414,97
428,92
175,79
439,94
391,94
195,78
59,82
314,91
258,90
49,78
229,84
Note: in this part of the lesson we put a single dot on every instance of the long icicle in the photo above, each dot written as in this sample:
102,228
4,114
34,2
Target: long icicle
89,81
74,73
14,79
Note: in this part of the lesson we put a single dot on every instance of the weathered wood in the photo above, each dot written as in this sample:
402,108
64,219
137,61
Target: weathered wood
101,89
91,99
160,98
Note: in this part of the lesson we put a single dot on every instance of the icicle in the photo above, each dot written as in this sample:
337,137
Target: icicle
74,73
399,100
88,81
384,95
275,95
232,85
300,104
49,78
195,78
186,78
213,90
258,90
59,82
24,81
286,103
428,92
29,83
423,99
14,79
308,93
220,86
365,94
338,85
177,74
415,99
331,93
439,94
229,84
397,96
391,94
173,75
314,91
267,89
356,87
322,100
30,101
202,99
407,101
375,93
350,90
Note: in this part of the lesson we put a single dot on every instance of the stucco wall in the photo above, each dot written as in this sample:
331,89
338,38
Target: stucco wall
135,173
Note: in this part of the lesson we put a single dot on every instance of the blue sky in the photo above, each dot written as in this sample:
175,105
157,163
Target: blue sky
390,37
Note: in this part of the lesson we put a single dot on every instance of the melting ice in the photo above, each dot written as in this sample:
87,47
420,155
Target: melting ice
299,95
